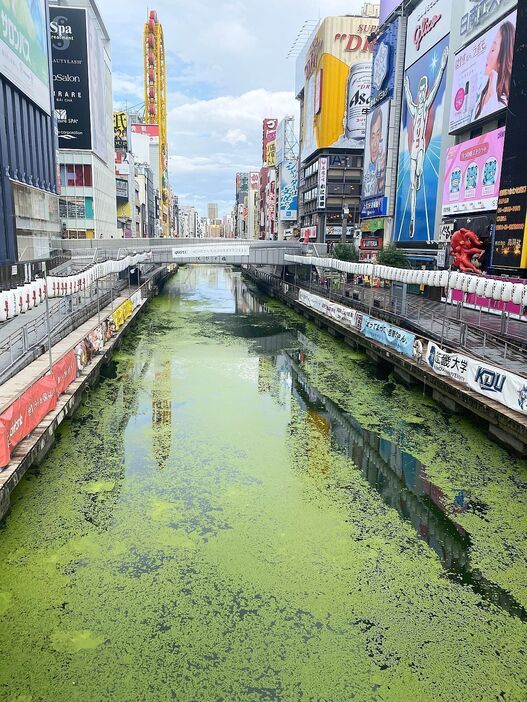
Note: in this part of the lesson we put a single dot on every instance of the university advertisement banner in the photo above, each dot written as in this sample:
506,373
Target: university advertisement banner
71,83
24,48
480,86
498,384
340,313
289,191
472,174
396,338
452,365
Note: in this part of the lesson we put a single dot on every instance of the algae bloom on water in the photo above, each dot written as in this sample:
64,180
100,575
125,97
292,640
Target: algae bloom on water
243,510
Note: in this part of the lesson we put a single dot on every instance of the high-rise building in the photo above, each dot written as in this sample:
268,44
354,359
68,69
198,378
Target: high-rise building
28,182
82,83
212,211
333,86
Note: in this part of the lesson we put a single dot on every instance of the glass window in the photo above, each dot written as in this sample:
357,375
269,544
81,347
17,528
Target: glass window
70,175
79,176
88,177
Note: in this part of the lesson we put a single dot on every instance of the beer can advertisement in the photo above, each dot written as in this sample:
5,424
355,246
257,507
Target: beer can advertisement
472,174
420,145
337,85
482,75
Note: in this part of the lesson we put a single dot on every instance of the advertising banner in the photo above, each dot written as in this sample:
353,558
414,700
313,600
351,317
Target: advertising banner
144,138
289,191
480,14
337,85
498,384
120,131
342,314
374,174
65,372
308,233
376,207
510,239
383,71
428,24
97,69
24,48
270,204
452,365
270,126
420,145
396,338
472,174
322,183
204,251
482,75
71,83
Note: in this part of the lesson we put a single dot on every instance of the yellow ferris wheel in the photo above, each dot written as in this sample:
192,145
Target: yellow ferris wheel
156,106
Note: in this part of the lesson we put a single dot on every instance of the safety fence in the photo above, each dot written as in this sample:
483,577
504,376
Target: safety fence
491,381
22,416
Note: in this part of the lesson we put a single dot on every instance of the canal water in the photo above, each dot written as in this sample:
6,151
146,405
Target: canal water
245,509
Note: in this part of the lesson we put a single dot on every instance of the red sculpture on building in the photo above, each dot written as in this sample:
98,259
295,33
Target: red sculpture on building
466,250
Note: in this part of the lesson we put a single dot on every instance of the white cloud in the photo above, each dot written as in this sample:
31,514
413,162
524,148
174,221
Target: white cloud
235,136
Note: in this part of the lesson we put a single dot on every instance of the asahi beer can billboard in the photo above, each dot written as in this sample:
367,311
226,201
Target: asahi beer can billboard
358,101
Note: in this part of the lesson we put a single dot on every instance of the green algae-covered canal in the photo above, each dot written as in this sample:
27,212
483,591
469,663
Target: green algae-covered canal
244,509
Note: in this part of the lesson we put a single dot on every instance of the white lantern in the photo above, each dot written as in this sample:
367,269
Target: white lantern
506,293
498,290
480,286
489,287
517,293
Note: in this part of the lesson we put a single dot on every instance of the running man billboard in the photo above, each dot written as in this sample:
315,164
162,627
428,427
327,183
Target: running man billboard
24,48
422,122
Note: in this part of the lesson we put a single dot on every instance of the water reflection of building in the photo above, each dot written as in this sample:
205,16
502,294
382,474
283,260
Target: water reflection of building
162,413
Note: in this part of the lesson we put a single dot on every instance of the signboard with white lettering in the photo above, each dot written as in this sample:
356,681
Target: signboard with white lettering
322,183
480,14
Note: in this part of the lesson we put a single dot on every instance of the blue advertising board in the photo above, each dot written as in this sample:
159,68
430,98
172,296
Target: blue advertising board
420,145
396,338
383,71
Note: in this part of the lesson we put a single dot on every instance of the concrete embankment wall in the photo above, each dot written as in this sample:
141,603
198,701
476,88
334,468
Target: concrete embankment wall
34,447
504,425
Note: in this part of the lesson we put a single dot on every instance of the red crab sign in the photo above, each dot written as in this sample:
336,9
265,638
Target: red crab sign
466,250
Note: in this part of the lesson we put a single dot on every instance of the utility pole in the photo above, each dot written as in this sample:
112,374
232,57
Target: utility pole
48,324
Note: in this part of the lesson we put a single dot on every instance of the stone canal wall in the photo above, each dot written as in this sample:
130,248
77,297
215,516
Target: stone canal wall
505,425
121,315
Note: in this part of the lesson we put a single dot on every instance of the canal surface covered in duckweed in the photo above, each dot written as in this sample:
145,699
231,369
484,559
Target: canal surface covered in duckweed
245,509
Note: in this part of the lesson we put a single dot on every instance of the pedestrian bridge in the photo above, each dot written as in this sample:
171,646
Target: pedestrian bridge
164,251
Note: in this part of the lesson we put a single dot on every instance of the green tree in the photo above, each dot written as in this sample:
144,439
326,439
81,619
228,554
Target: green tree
392,256
345,252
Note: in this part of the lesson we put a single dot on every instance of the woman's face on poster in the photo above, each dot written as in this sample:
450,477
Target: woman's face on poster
493,55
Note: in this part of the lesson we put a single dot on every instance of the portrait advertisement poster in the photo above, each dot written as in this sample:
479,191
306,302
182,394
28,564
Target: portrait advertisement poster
420,145
69,51
374,174
24,48
472,174
289,191
482,75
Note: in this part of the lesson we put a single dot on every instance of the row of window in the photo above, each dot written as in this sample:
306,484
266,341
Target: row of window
76,176
76,207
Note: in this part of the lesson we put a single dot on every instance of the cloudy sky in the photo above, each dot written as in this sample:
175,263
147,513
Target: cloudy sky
226,71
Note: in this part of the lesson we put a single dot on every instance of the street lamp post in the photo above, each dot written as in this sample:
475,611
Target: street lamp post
48,324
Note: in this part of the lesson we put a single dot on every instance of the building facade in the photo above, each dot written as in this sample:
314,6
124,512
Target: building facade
29,216
82,84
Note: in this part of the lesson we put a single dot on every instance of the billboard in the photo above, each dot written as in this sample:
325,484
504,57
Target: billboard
71,83
289,191
143,137
480,14
322,183
269,141
472,174
482,75
97,97
420,145
120,131
375,150
383,71
24,48
386,9
337,85
427,24
510,238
